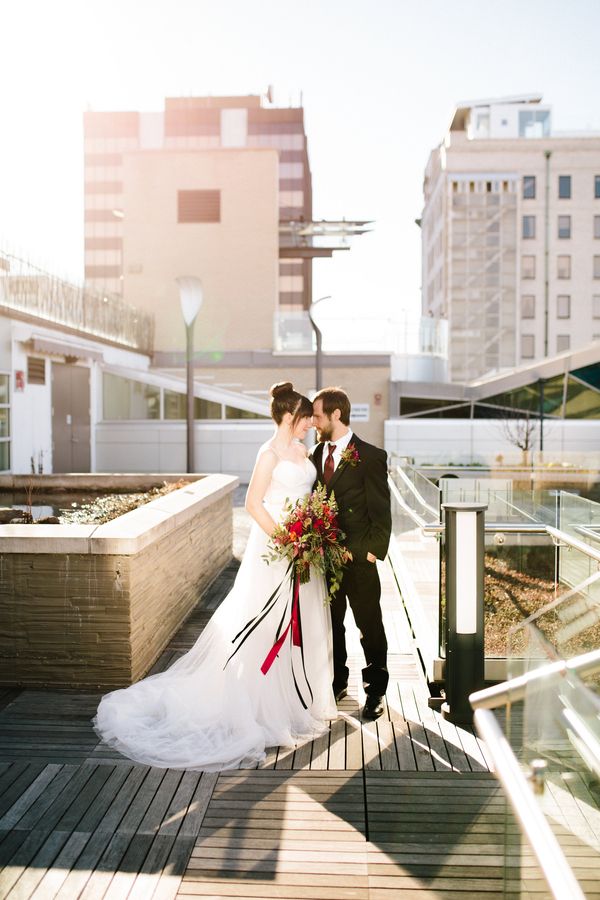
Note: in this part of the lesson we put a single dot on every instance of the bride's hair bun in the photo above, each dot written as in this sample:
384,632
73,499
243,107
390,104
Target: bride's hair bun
282,387
284,399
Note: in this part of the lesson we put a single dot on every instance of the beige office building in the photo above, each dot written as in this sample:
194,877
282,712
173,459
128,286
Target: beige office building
511,236
219,188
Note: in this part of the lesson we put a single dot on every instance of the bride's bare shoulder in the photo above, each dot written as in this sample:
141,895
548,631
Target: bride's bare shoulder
267,451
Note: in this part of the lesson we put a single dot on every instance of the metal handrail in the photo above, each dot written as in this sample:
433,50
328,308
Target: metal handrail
416,492
513,690
563,538
552,861
549,854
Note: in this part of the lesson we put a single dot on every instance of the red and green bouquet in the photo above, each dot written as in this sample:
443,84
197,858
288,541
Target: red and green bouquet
310,535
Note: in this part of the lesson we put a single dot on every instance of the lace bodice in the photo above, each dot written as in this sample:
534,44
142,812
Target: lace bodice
289,481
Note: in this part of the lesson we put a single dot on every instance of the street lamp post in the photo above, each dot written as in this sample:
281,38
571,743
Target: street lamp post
319,337
190,297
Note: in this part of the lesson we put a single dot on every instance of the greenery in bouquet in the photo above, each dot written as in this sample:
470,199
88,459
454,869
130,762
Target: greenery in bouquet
310,535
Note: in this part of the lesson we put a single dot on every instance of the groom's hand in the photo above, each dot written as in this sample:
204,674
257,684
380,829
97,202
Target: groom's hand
371,558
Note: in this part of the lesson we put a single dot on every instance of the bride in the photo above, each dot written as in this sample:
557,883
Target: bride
211,710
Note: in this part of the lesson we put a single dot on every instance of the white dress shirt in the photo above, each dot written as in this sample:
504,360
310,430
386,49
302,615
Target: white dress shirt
340,446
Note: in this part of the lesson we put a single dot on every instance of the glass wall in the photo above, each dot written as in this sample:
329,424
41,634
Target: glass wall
124,398
4,423
175,407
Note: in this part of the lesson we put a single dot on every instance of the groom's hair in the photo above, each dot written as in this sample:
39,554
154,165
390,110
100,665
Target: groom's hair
335,398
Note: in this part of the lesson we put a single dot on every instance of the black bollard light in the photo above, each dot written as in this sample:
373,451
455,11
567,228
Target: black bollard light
464,557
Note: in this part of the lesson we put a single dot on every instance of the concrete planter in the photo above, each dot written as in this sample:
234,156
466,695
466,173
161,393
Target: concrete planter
94,605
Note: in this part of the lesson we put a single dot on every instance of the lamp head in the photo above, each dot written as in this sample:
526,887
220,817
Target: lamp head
190,297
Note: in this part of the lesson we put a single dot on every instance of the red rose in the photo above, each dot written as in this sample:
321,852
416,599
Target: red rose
296,528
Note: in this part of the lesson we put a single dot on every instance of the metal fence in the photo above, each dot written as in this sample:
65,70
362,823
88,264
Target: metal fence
24,288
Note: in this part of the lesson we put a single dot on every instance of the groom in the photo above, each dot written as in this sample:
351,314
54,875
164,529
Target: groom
356,472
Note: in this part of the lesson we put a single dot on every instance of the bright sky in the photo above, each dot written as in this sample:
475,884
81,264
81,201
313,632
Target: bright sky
379,81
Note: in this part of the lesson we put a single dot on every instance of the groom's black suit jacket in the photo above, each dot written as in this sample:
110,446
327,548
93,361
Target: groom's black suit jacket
363,499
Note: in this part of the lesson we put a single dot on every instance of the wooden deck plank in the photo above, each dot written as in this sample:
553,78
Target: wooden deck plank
387,745
370,742
320,752
337,745
23,778
40,785
302,756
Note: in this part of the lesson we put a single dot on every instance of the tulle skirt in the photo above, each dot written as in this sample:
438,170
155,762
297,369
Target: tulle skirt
207,713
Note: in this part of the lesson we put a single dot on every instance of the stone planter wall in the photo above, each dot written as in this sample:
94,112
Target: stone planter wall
94,606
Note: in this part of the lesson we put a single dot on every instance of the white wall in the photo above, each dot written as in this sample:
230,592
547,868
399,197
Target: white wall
31,416
156,446
447,441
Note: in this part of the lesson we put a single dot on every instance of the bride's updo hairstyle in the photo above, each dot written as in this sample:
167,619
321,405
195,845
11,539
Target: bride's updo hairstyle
285,399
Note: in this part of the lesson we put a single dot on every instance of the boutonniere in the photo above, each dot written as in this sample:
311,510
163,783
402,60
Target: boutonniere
350,456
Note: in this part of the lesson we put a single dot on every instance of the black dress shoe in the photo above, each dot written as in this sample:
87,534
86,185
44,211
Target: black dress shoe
339,695
373,707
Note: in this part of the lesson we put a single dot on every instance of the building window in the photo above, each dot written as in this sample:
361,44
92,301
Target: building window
529,187
563,266
596,306
528,306
564,187
563,342
564,226
597,267
563,306
36,370
597,227
198,206
534,123
124,398
527,346
175,407
528,227
528,266
597,187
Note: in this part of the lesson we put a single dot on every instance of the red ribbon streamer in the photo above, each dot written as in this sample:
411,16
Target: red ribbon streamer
294,624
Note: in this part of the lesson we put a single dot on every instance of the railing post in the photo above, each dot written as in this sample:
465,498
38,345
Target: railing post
464,561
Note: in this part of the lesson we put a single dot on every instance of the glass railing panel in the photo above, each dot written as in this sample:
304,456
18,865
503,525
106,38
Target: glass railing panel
555,733
421,494
520,571
507,500
580,518
569,623
416,556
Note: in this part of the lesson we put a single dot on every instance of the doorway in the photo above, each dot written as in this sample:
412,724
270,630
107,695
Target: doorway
70,418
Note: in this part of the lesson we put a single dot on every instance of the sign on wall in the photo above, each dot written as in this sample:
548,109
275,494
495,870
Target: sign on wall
360,412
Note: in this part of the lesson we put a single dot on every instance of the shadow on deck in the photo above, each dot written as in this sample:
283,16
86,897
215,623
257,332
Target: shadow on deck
402,807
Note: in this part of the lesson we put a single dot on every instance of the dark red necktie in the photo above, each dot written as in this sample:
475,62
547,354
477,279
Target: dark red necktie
329,467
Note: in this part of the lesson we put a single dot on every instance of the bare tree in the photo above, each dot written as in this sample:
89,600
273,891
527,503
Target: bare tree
520,432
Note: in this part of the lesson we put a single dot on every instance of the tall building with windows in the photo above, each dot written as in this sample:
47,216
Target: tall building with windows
511,236
208,184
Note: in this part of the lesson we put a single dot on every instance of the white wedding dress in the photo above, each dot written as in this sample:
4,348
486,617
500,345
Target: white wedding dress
208,714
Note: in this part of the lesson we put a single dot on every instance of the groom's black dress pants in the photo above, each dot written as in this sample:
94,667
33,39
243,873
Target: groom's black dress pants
360,588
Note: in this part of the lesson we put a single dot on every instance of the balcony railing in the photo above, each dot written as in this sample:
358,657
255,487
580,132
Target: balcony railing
542,613
28,290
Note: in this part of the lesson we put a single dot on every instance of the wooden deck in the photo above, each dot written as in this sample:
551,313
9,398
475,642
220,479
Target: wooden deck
404,807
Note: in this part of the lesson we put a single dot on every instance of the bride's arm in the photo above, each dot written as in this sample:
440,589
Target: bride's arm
259,482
